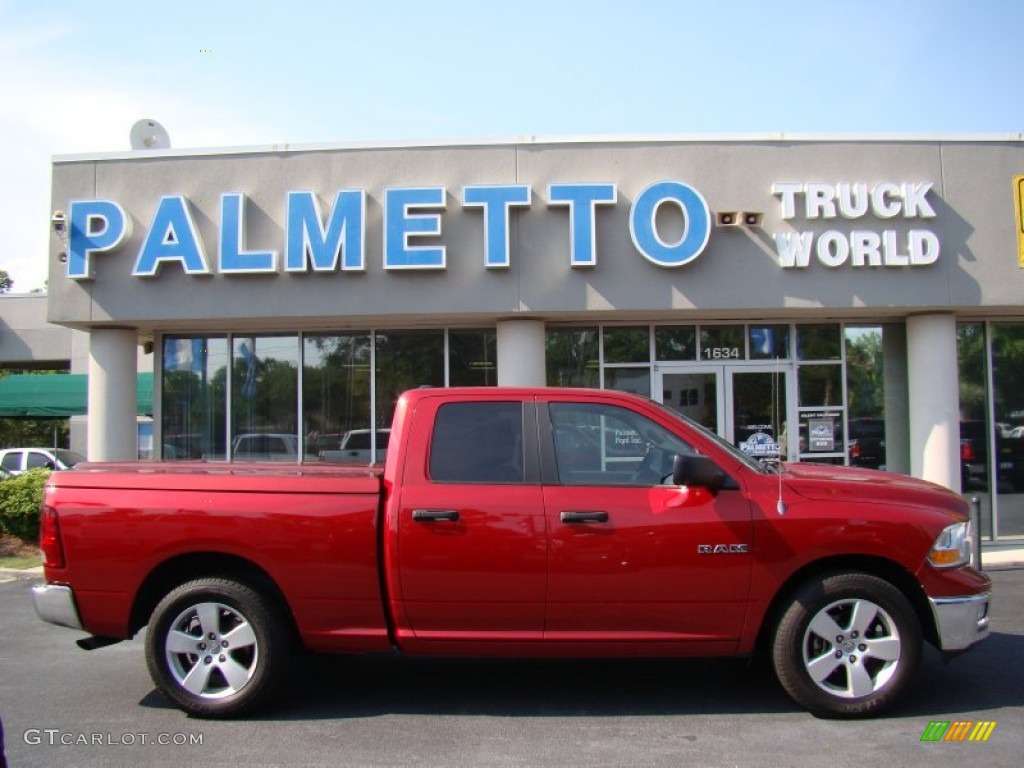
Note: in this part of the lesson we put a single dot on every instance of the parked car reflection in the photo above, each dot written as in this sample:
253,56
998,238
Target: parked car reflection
18,460
974,463
867,442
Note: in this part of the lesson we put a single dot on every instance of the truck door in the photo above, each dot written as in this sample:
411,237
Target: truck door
472,548
632,559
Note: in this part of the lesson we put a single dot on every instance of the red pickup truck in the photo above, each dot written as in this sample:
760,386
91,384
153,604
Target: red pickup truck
534,522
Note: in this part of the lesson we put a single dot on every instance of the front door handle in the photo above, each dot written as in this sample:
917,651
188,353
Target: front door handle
583,516
435,515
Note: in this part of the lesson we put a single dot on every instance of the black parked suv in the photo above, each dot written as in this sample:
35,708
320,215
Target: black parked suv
867,442
974,444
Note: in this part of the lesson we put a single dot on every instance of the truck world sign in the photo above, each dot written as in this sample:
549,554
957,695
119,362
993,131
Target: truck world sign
859,247
336,242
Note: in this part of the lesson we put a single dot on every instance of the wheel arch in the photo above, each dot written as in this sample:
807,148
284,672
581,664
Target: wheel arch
197,565
888,570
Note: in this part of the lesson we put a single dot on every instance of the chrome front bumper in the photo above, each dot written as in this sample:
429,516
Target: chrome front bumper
961,621
56,604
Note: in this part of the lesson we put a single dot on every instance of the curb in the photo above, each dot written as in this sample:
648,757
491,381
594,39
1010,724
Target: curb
1000,559
21,574
1001,566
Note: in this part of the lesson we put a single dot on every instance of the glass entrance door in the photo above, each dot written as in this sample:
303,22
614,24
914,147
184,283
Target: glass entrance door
746,405
697,394
757,420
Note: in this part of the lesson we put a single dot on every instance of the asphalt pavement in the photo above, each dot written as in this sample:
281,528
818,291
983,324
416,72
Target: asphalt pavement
64,706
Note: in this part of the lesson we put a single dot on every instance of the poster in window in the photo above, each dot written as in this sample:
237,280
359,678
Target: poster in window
822,435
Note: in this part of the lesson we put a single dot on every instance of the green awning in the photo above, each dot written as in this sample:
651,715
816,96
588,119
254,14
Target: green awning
58,395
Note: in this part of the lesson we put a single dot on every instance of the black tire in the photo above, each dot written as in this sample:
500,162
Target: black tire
217,648
847,645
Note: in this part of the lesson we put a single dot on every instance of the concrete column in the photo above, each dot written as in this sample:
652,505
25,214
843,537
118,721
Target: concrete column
113,433
933,384
897,409
79,427
521,353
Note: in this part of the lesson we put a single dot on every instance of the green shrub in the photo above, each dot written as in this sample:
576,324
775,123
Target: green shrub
20,499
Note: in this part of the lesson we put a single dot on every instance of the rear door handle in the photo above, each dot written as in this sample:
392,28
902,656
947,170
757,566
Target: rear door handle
435,515
583,516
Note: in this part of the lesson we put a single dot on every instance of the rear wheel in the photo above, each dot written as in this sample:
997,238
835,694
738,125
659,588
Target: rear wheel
847,645
216,648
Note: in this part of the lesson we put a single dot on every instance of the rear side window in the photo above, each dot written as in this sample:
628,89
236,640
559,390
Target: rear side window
12,461
478,443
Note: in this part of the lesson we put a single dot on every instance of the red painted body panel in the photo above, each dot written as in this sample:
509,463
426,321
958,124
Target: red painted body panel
509,576
483,575
641,576
312,532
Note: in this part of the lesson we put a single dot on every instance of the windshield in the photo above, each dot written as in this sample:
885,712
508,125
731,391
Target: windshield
725,445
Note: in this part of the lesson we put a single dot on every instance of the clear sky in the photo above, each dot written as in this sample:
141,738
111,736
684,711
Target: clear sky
75,75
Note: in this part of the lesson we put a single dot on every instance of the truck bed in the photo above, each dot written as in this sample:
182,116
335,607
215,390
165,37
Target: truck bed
311,529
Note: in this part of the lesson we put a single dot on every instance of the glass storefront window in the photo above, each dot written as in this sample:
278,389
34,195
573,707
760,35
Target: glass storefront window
1008,412
818,342
194,397
769,342
264,399
572,357
821,432
335,389
406,360
722,342
338,394
972,364
1007,374
758,405
992,424
635,380
819,385
675,342
865,396
627,345
472,358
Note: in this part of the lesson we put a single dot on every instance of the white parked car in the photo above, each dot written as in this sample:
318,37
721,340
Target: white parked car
17,460
355,447
265,446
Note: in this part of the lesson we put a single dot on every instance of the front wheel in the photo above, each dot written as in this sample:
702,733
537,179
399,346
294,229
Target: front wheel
847,645
216,648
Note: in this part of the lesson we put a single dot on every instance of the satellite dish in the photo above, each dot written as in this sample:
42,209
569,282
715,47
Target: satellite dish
149,134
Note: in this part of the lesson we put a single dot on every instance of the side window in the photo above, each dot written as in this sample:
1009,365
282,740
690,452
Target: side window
34,460
246,445
477,443
12,461
599,444
359,441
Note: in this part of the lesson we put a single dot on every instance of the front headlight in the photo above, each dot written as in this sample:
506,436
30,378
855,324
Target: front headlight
952,547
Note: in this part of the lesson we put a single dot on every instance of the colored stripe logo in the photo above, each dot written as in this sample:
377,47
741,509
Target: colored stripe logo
958,730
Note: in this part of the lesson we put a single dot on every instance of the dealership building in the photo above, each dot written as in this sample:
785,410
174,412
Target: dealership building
849,300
